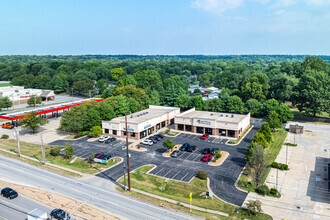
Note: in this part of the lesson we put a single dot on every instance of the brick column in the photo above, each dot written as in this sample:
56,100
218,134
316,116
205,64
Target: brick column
236,134
184,127
216,131
203,130
226,133
176,126
194,129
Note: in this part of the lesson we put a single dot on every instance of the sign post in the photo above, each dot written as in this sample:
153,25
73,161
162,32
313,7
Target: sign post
190,200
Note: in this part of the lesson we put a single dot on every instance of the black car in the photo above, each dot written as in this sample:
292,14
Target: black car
109,140
206,151
9,193
175,153
213,151
184,146
161,136
105,157
157,137
153,139
59,214
191,148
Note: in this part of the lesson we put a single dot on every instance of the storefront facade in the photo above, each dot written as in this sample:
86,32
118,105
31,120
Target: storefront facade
141,124
212,123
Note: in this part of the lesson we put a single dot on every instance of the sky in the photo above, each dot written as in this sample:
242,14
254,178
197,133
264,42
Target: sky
164,27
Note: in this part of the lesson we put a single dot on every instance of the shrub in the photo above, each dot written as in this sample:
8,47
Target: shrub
83,133
202,175
273,191
5,136
217,154
262,190
92,157
96,131
274,165
69,151
284,167
167,131
54,152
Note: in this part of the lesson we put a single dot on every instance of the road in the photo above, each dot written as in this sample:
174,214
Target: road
120,205
18,207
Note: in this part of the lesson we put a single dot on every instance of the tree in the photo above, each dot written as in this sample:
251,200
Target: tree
284,113
217,154
182,101
96,131
270,105
206,79
33,121
82,87
5,102
74,120
235,105
266,131
101,85
253,90
69,151
273,120
312,92
168,144
282,86
116,73
254,207
130,91
258,163
259,138
197,102
253,106
314,63
108,92
198,92
34,100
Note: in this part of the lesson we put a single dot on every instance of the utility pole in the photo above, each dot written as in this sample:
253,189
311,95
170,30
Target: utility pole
128,175
17,139
42,149
286,156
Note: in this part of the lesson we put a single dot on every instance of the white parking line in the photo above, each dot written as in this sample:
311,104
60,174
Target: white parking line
196,157
184,176
159,171
175,175
167,173
181,155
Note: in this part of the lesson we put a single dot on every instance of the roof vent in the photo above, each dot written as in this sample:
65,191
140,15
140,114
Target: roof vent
131,116
147,112
232,115
211,114
221,115
226,115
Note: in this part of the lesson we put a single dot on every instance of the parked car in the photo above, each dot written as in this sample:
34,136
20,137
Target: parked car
191,148
98,155
153,139
207,157
102,139
106,157
213,151
147,142
9,193
175,153
206,151
204,136
161,136
110,139
59,214
157,137
184,146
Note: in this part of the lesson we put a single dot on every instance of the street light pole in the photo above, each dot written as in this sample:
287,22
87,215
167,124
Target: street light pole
42,149
128,174
17,139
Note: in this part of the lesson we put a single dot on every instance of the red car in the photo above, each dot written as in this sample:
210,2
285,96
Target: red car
98,155
207,157
205,136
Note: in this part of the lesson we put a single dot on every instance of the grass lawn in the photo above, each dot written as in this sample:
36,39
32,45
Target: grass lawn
33,150
5,84
273,150
179,191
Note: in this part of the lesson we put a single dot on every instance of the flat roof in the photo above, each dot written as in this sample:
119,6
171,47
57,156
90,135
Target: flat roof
218,116
145,115
47,109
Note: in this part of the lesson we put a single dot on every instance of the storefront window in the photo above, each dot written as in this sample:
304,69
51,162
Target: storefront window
180,127
208,131
200,130
163,124
114,132
188,127
132,134
222,132
106,131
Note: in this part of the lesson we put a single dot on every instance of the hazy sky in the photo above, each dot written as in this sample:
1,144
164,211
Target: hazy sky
165,27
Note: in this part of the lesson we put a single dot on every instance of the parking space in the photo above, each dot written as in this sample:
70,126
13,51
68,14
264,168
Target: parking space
174,174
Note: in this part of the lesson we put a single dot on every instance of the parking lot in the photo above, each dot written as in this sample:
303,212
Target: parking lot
184,168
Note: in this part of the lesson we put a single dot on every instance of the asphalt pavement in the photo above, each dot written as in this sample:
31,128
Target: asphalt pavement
19,207
183,168
120,206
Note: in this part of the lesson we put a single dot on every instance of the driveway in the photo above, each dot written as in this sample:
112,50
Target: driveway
183,168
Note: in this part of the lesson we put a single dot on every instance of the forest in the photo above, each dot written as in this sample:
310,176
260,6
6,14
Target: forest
258,84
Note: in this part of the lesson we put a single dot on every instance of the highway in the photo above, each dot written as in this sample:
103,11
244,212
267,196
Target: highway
119,205
19,207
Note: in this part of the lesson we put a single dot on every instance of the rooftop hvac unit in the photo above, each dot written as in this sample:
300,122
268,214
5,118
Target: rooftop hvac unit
131,116
221,115
211,114
232,116
226,115
147,112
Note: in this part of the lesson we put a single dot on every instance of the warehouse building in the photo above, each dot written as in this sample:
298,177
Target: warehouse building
213,123
141,124
18,95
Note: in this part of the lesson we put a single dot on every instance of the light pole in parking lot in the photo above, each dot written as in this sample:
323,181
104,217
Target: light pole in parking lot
128,175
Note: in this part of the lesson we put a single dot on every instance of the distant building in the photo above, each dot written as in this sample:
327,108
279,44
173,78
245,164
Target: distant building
193,87
18,95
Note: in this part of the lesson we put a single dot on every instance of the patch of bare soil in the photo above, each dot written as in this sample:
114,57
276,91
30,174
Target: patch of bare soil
54,200
219,161
168,153
136,148
92,139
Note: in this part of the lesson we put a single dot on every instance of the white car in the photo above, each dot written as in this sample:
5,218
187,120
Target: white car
147,142
102,139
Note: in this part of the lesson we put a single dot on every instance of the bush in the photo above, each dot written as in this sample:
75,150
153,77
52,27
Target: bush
69,151
273,191
275,165
262,190
54,152
284,167
96,131
202,175
83,133
217,154
5,136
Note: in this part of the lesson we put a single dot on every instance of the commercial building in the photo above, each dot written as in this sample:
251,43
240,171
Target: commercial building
18,95
212,123
141,124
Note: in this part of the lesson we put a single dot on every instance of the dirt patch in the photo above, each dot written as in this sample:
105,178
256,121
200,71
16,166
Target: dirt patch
219,161
168,153
310,133
54,200
92,139
136,148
